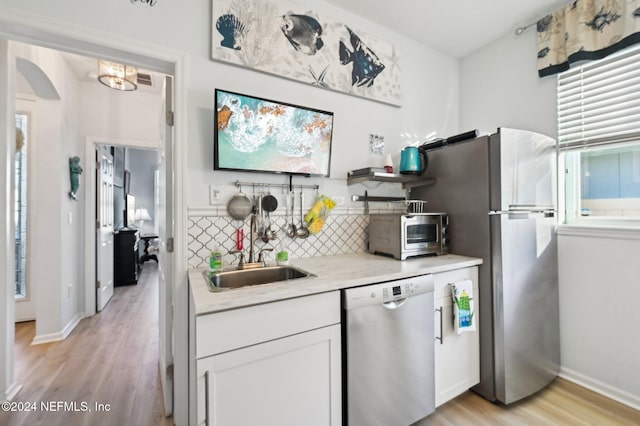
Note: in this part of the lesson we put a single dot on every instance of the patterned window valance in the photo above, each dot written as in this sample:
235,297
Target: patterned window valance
586,30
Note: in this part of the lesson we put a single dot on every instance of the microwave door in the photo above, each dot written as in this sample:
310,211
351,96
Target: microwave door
420,234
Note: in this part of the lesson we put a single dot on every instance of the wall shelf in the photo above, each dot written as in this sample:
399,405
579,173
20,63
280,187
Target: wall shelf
407,181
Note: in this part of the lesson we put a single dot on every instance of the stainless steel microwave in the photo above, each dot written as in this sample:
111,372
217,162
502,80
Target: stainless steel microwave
408,234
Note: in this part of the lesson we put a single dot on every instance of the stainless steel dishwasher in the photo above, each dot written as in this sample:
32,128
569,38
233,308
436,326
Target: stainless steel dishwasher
389,359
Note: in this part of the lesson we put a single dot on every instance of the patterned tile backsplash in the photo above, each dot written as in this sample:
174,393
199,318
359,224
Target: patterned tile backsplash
342,233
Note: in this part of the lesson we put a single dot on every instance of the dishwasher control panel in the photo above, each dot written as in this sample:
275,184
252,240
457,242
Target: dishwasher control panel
387,291
396,292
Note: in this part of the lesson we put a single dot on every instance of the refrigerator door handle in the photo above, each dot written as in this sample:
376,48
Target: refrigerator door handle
520,213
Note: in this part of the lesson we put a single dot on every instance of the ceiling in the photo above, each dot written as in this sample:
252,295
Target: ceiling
454,27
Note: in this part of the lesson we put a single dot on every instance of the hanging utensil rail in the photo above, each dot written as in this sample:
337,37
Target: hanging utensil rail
275,185
375,198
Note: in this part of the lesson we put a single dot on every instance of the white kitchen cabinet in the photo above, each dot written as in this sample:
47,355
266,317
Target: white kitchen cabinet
272,364
294,380
457,356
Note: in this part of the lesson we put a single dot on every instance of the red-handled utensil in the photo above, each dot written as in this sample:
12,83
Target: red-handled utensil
240,239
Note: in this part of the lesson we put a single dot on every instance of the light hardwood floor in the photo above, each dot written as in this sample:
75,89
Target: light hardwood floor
110,358
560,404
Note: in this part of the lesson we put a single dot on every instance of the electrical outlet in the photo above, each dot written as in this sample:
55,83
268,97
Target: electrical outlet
339,201
215,194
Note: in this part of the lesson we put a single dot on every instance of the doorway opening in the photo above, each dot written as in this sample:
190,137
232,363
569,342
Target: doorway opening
127,215
54,34
124,119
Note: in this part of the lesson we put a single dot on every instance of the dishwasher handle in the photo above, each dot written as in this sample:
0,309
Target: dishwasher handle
395,304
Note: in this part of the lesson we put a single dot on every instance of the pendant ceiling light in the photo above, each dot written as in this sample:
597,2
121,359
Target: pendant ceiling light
117,76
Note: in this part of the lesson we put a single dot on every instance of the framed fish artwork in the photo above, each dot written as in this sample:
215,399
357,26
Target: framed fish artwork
284,39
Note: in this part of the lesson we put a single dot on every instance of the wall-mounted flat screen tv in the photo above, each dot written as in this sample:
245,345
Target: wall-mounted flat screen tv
260,135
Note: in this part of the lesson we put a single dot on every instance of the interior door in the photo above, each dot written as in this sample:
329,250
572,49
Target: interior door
165,263
104,226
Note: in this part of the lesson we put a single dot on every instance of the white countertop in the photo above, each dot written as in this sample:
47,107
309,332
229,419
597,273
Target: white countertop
331,273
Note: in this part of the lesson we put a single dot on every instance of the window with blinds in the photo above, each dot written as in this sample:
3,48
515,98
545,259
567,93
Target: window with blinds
599,138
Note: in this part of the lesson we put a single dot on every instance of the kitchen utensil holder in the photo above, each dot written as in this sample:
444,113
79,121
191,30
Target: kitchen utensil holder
289,186
367,198
414,206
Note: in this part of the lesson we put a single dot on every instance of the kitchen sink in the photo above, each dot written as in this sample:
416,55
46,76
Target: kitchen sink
248,277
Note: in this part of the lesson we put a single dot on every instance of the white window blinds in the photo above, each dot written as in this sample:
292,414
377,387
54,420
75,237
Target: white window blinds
599,102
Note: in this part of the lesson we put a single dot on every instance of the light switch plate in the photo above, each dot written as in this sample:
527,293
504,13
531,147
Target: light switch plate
215,194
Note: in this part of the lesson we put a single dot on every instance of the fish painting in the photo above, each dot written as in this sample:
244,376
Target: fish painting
319,79
366,64
303,32
232,31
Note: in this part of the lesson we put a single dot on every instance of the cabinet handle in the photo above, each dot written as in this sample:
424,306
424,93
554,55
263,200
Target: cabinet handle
441,338
206,398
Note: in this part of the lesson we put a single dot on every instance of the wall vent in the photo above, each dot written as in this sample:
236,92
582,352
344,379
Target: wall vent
145,79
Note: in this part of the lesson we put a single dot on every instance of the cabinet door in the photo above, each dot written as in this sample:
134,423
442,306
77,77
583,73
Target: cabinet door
457,356
294,381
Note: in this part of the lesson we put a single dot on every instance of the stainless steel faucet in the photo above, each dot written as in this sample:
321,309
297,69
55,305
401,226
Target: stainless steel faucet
251,261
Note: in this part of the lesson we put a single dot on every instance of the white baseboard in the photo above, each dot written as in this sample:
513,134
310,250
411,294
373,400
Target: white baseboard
10,393
609,391
61,335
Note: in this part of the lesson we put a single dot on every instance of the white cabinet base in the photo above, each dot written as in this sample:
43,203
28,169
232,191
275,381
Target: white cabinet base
457,356
295,380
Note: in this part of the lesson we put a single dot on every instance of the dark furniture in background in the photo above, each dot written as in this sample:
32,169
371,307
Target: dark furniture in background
125,257
147,255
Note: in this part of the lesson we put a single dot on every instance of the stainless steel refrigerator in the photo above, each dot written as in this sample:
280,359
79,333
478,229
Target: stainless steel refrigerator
500,194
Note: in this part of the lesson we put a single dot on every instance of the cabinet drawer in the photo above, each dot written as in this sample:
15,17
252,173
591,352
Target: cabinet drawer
225,331
441,280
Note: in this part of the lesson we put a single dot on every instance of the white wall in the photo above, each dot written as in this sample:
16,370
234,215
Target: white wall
111,114
499,86
72,212
599,312
55,220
